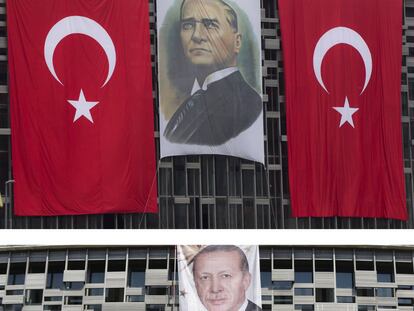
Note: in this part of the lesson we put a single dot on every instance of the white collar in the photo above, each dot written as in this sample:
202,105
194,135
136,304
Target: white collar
213,77
244,305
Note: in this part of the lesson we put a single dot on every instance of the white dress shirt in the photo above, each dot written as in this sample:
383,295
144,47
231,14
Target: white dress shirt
213,77
244,305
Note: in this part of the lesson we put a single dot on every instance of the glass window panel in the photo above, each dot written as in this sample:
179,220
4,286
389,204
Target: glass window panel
324,295
345,299
344,280
96,271
283,300
303,291
114,295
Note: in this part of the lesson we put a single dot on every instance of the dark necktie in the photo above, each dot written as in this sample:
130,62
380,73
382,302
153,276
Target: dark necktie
187,106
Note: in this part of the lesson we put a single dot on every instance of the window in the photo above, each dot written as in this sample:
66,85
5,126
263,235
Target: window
303,291
96,272
282,264
325,295
55,275
385,277
34,296
303,277
157,290
136,298
406,287
265,273
155,308
364,265
94,292
266,279
304,307
14,292
3,268
344,274
37,267
410,88
114,295
283,300
344,279
136,273
409,11
365,292
116,265
404,267
366,308
52,308
17,273
324,265
53,298
157,264
405,301
278,285
345,299
93,307
73,300
172,270
385,292
74,285
303,271
76,265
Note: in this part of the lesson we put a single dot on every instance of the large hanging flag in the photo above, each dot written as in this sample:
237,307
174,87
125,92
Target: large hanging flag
342,63
219,277
210,79
81,107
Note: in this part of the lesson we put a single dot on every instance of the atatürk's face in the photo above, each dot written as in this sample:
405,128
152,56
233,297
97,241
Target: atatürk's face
220,283
207,37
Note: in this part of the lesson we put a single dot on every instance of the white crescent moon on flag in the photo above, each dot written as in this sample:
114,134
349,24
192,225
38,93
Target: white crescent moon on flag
79,25
336,36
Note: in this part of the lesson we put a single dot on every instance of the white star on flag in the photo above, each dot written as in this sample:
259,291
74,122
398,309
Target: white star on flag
82,107
346,113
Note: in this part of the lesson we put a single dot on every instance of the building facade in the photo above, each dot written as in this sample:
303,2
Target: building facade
145,278
217,191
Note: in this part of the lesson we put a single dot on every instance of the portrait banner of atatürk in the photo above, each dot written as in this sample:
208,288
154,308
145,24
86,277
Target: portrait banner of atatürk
219,277
210,79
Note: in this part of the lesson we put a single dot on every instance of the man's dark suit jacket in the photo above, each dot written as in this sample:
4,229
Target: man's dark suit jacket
212,117
253,307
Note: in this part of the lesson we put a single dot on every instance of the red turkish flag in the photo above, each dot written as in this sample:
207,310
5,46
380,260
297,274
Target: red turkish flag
81,107
342,61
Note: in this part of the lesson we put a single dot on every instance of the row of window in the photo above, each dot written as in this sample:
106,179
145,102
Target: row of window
88,307
328,295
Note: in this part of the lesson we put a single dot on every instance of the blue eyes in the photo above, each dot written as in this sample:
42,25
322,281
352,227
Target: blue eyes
208,24
187,26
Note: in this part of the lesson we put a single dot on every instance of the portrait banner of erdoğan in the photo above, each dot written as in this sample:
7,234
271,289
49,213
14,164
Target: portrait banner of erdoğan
219,277
210,78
